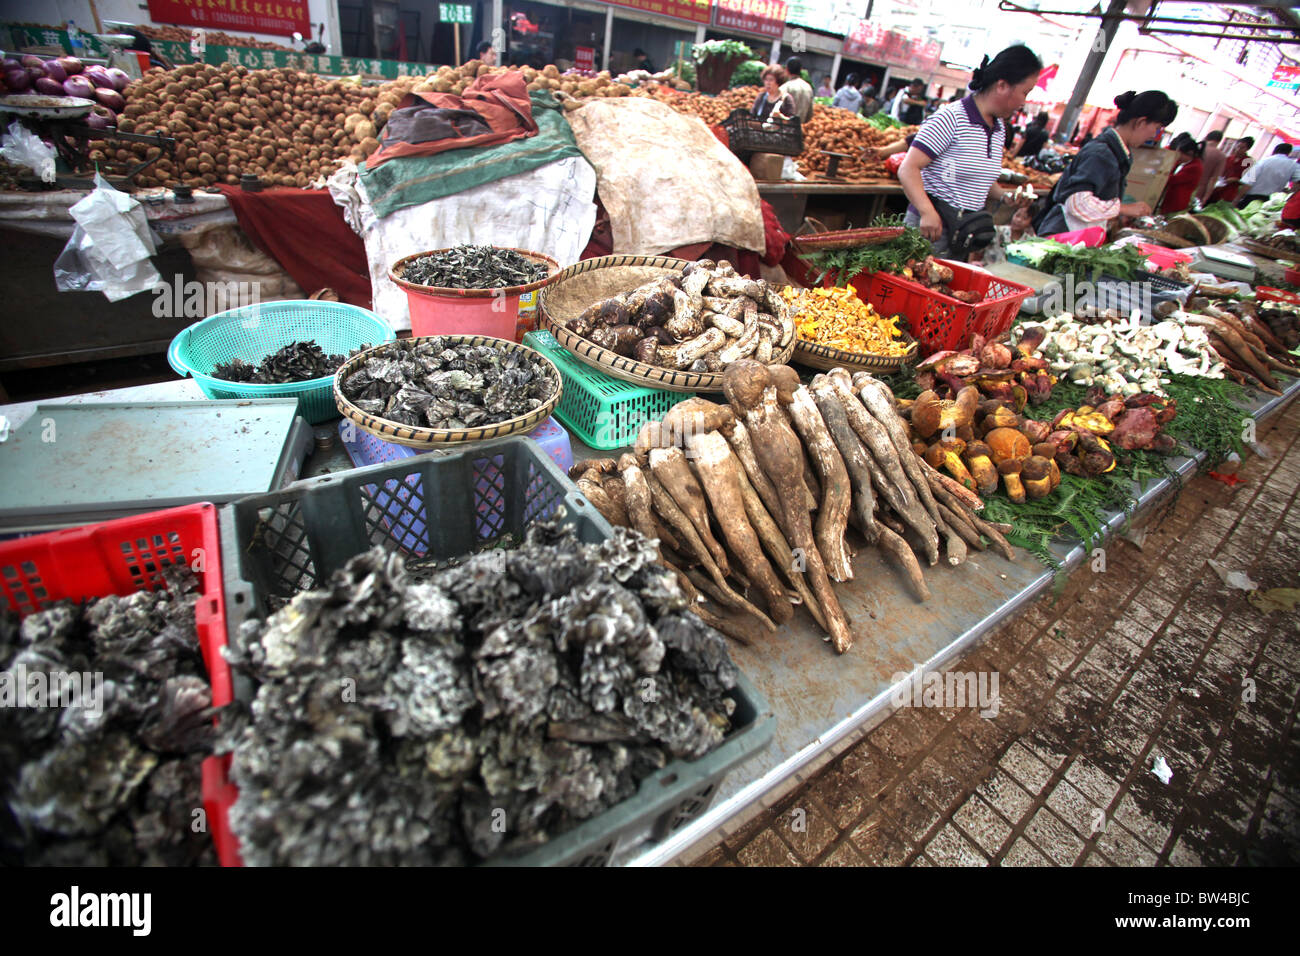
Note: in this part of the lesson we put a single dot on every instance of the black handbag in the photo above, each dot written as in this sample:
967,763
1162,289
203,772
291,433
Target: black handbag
967,233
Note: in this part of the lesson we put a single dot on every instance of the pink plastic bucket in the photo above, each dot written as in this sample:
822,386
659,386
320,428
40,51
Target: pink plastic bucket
495,312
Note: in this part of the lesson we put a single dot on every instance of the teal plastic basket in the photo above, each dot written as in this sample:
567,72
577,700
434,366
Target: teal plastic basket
603,411
252,332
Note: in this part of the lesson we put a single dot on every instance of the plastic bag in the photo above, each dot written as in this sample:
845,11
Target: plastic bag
22,147
110,247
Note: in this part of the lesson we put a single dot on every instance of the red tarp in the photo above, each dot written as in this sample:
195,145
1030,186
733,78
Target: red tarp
304,231
494,109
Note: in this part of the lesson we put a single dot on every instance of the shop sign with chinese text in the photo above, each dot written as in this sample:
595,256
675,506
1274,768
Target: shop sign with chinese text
279,17
764,17
697,11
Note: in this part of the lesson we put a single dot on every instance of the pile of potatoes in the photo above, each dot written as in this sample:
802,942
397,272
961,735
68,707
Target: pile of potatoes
284,126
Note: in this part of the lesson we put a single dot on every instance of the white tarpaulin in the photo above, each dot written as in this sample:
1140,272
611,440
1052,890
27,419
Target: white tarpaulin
550,210
665,179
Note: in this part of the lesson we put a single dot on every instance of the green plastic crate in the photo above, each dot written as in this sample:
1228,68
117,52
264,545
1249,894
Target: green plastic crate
603,411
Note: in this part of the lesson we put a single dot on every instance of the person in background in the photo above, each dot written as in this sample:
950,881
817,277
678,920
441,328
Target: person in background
824,90
1291,211
909,105
486,53
1238,162
772,102
797,89
849,97
1035,138
1090,192
1213,161
871,104
1187,175
951,171
642,61
1269,175
884,152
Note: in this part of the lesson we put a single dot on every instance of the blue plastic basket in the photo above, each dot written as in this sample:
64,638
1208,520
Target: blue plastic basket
252,332
399,503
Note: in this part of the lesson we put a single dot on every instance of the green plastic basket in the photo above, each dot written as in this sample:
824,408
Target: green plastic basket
603,411
253,332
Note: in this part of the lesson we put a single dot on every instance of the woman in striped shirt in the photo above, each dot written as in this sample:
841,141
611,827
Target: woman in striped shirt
953,165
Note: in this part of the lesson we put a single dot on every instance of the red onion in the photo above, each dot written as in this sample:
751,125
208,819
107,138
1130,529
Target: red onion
17,80
99,77
49,87
119,77
79,86
35,73
30,60
9,63
112,99
55,71
71,64
95,121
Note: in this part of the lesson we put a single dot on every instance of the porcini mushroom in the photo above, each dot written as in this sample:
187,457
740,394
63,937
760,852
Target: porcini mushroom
1036,476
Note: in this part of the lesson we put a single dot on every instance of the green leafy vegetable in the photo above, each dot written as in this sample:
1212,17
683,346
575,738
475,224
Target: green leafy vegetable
1086,265
843,265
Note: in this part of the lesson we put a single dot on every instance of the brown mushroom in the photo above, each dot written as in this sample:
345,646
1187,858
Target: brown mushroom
946,453
1009,469
930,415
1001,417
1008,443
1036,476
979,461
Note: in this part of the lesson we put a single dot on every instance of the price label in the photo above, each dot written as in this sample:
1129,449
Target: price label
584,57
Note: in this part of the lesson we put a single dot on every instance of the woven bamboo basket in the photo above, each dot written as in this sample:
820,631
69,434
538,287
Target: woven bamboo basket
435,437
587,282
826,358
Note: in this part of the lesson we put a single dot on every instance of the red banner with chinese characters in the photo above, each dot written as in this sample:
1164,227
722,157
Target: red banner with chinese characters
765,17
925,56
697,11
279,17
865,42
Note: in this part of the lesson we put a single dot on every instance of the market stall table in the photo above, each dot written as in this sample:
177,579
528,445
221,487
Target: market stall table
821,698
818,697
860,202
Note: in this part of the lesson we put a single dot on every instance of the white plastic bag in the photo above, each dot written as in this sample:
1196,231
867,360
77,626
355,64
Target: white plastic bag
110,247
22,147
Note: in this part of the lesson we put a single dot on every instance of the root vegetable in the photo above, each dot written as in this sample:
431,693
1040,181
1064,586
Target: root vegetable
669,510
895,547
717,471
746,385
637,493
777,547
742,445
889,474
879,401
857,462
729,598
833,509
670,467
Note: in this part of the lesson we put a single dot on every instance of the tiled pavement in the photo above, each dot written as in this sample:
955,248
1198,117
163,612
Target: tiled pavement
1153,657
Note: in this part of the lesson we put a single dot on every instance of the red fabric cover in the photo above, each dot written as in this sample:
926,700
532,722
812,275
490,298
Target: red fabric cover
501,99
746,262
1291,211
305,232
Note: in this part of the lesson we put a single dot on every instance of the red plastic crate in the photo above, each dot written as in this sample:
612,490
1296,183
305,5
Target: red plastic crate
939,322
1265,293
121,557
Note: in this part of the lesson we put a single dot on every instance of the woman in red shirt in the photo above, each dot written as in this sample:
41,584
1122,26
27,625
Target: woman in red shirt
1183,183
1236,166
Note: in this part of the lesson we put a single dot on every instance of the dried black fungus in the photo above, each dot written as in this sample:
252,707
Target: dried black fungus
112,776
474,267
295,362
442,384
481,710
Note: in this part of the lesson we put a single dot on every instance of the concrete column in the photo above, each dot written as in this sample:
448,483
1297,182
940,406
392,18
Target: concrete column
609,36
775,56
1091,67
835,72
496,32
699,33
